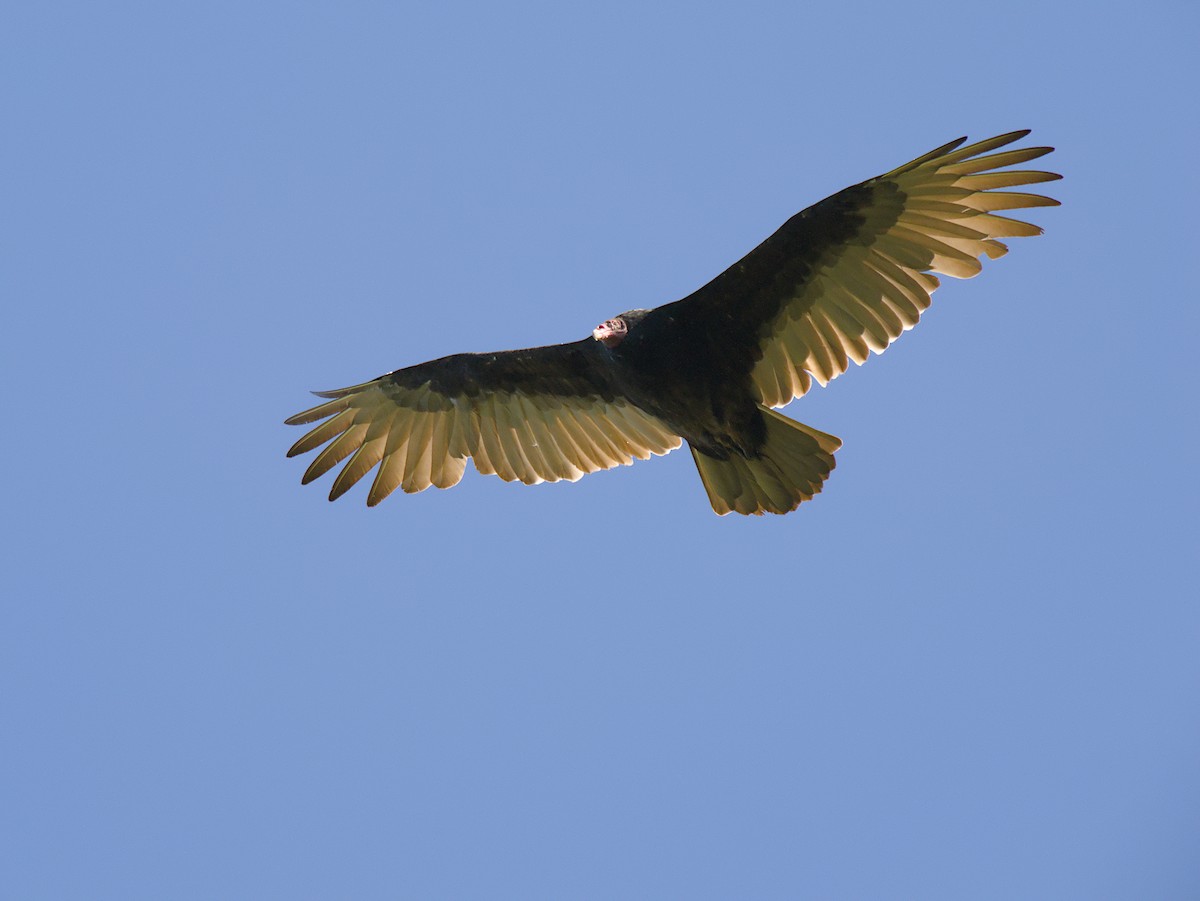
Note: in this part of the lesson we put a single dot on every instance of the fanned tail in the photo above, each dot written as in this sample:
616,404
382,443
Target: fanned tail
790,469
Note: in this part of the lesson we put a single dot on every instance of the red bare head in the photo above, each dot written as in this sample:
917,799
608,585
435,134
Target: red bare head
611,332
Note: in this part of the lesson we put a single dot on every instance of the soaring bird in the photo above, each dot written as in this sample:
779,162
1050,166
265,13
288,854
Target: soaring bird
845,277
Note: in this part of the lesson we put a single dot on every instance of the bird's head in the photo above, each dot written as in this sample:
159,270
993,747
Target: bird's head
612,332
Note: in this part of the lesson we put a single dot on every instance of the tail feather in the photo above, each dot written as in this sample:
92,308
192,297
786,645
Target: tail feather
790,469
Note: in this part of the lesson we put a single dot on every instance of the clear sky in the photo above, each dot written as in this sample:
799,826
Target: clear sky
970,669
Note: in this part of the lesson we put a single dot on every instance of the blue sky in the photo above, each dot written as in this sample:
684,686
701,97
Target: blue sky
968,669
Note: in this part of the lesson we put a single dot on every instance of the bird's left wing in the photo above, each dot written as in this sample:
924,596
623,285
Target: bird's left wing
542,414
850,274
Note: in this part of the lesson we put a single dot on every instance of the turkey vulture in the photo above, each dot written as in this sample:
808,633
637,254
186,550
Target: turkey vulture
841,279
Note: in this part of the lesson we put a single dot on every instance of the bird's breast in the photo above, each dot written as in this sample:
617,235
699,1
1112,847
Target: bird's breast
677,379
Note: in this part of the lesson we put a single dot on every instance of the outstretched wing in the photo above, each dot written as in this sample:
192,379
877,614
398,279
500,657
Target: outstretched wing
850,274
536,415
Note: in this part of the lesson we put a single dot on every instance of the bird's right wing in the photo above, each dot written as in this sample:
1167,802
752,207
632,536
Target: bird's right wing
849,275
542,414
